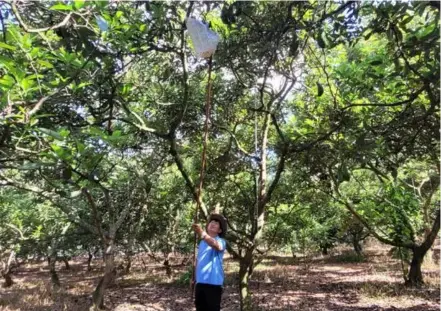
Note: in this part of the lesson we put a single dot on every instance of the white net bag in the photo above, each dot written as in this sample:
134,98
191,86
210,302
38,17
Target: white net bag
204,40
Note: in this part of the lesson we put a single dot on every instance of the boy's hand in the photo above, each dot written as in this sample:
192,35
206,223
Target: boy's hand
198,229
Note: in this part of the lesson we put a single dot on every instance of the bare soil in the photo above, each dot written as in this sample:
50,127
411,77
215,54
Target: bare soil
279,283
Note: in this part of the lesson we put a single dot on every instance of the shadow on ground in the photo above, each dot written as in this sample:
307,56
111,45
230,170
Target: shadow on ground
281,283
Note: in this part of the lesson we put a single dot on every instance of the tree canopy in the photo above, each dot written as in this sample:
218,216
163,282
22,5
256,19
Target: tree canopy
324,125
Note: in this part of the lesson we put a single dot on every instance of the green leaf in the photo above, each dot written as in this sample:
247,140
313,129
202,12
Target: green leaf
319,89
101,3
27,83
83,84
58,150
27,41
309,122
321,43
80,147
117,133
343,174
7,81
390,34
405,21
34,52
30,166
37,233
182,14
61,7
294,46
7,46
6,61
399,34
64,133
119,14
45,63
65,228
43,115
75,194
426,31
368,35
376,62
126,88
97,132
33,121
51,133
18,73
78,4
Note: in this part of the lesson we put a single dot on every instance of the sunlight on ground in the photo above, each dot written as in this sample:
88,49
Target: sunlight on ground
279,283
134,307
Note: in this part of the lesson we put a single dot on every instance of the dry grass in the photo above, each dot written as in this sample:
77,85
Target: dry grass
279,283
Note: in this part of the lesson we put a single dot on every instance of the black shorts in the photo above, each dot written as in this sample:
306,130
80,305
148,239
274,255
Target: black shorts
208,297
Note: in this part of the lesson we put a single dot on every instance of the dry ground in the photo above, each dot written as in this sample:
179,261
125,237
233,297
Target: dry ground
279,283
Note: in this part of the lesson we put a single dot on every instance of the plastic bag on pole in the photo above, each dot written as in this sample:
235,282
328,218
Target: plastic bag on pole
204,40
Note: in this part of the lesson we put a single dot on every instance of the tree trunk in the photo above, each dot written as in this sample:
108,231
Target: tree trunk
52,260
8,279
357,246
129,264
167,266
89,261
245,271
66,262
106,280
6,271
415,276
130,246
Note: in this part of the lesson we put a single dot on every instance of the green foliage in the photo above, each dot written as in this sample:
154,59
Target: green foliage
184,278
102,123
402,254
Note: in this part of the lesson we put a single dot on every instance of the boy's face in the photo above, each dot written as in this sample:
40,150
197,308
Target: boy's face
214,227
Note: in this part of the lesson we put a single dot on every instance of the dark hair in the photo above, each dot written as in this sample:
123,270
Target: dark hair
220,225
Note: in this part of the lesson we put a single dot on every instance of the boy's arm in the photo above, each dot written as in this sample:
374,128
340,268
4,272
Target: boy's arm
212,242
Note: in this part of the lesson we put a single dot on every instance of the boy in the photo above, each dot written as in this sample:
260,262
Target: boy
209,264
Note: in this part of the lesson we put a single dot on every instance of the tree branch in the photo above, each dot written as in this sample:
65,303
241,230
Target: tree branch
280,169
411,98
308,146
41,193
56,91
188,181
3,25
28,29
399,210
175,123
96,216
338,10
236,142
349,205
433,233
381,176
276,125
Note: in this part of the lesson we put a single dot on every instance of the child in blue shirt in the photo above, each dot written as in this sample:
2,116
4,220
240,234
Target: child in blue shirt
209,264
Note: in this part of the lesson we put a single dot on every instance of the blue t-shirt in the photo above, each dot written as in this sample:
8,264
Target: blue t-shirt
209,268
